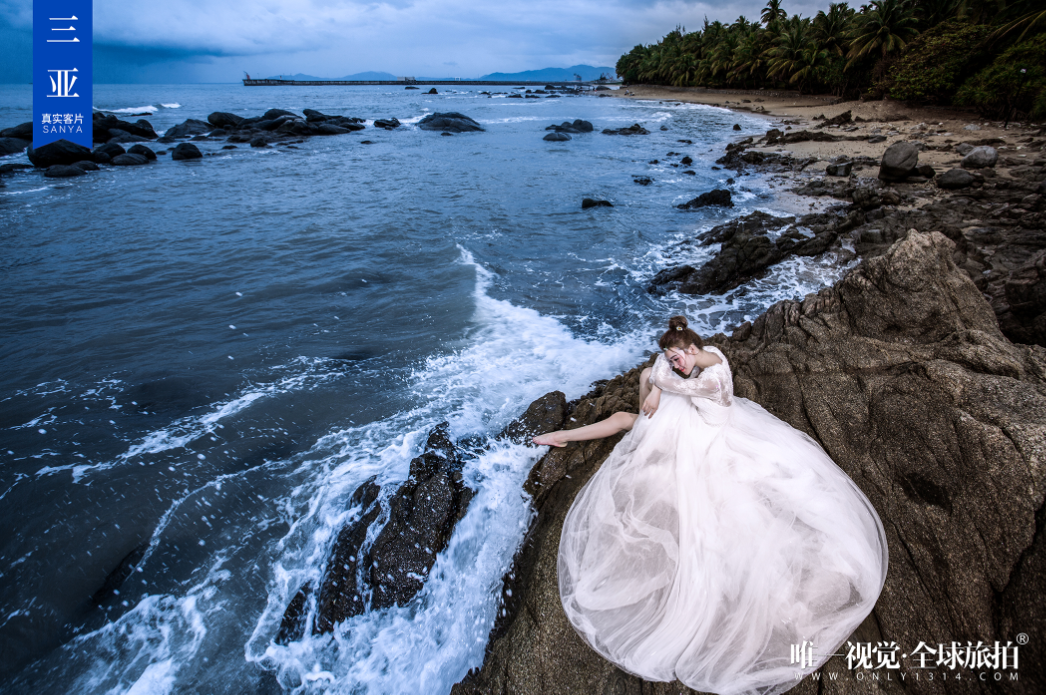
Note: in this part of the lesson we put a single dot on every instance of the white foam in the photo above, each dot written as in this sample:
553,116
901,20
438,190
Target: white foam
149,108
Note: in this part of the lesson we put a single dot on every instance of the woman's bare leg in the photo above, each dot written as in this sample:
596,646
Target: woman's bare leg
618,422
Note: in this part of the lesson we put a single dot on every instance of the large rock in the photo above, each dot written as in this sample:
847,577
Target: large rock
900,372
718,196
954,179
981,157
577,126
449,122
899,161
129,160
102,125
9,145
587,203
22,131
187,129
57,152
186,150
121,137
142,151
63,171
221,119
556,137
273,114
387,123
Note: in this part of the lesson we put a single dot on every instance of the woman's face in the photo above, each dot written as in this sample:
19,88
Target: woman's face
683,360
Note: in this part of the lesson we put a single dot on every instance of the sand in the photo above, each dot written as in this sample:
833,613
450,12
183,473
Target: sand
938,128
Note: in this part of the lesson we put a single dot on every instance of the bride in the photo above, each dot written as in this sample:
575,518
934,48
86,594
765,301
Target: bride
716,541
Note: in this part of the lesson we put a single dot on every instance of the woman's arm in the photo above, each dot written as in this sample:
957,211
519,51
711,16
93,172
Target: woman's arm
665,379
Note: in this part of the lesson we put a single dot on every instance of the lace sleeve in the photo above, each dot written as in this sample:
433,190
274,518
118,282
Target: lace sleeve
713,383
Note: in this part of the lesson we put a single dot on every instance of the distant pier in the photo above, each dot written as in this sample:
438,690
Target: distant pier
414,83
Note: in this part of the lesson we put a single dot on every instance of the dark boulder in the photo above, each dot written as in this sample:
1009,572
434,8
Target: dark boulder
387,123
110,149
221,119
686,161
737,126
9,145
557,137
142,151
101,126
273,114
87,165
101,158
260,142
63,171
129,160
451,122
719,196
119,137
187,129
314,116
643,180
57,152
432,91
845,118
186,150
634,129
593,203
839,169
22,131
546,414
899,161
406,88
956,178
926,171
578,126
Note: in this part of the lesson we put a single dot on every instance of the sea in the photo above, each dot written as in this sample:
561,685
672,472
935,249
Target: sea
202,360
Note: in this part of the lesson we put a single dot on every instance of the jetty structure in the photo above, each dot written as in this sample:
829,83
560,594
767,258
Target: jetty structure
248,82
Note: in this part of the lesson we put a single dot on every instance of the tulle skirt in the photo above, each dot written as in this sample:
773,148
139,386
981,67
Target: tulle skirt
711,541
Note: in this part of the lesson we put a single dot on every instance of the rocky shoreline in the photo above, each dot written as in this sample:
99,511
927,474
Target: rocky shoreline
923,374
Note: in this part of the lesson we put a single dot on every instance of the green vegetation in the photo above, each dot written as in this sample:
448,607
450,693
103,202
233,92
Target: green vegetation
967,52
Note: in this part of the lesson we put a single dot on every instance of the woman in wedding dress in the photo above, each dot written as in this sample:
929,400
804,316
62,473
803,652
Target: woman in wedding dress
716,541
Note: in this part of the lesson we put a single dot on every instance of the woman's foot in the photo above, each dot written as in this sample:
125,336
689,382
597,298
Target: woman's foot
550,439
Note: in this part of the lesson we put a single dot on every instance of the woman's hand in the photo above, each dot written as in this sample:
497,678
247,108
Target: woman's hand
653,400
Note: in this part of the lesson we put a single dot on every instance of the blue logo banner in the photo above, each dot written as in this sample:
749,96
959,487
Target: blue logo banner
62,71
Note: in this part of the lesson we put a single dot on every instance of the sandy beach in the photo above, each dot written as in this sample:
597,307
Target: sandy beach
939,129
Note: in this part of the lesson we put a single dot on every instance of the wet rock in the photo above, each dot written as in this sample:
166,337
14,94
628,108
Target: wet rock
185,151
142,151
432,91
57,152
22,131
422,515
187,129
9,145
329,129
260,142
686,161
737,126
980,158
556,137
274,114
129,160
593,203
643,180
451,122
314,116
578,126
899,161
101,126
634,129
718,196
387,123
405,88
63,171
221,119
87,165
120,137
546,414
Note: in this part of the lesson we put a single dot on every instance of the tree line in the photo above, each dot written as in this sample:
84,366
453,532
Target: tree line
990,54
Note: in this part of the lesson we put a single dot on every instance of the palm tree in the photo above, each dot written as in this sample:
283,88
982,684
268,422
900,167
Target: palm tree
772,13
887,26
1031,14
832,30
788,55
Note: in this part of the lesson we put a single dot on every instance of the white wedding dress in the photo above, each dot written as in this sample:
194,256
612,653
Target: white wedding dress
714,538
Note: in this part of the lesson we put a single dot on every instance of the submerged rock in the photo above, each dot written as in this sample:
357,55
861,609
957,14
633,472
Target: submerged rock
556,137
593,203
578,126
63,171
634,129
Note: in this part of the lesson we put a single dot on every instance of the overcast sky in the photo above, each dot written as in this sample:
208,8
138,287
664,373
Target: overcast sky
208,41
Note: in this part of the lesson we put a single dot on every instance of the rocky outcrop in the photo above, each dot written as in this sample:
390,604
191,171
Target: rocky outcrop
719,196
57,152
187,129
587,203
901,373
101,126
577,126
451,122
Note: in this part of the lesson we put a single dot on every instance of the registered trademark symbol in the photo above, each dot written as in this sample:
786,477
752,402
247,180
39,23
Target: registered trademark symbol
1022,638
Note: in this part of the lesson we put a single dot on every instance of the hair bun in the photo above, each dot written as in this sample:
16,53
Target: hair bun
677,322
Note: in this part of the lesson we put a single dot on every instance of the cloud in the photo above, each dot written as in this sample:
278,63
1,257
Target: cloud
402,36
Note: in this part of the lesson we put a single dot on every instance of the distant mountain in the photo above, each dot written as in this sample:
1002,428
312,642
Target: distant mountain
358,76
587,72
